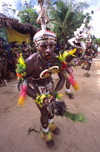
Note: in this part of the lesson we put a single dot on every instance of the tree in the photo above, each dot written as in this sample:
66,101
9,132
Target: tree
66,17
97,41
29,15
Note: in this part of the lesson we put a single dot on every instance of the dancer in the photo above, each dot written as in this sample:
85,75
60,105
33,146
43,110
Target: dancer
78,43
35,72
90,53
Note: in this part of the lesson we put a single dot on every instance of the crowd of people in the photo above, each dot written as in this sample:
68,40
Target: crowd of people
9,55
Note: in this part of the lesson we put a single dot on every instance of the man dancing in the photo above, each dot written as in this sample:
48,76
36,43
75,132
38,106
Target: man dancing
90,53
38,83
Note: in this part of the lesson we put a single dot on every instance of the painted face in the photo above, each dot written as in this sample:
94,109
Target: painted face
46,49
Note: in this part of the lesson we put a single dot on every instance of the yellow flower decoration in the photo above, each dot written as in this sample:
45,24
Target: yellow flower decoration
43,96
21,61
59,96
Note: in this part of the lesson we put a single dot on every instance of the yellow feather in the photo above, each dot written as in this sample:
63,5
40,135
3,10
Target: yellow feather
21,101
72,52
65,54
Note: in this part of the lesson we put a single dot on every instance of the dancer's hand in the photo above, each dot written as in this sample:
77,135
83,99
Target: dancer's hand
47,101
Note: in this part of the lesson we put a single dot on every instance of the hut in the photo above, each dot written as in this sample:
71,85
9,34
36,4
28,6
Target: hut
13,30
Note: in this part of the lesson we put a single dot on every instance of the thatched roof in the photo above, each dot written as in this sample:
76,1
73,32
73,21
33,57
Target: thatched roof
15,24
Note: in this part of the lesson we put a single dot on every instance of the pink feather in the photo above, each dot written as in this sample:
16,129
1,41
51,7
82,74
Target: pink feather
22,94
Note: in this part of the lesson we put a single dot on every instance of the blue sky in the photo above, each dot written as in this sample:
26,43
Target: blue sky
93,5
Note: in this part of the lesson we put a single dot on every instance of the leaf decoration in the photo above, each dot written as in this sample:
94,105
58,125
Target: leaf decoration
21,68
76,117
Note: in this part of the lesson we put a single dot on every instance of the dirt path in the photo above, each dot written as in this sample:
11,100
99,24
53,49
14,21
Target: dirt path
75,137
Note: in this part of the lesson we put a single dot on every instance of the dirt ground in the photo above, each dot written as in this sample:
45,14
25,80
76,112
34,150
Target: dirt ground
15,121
